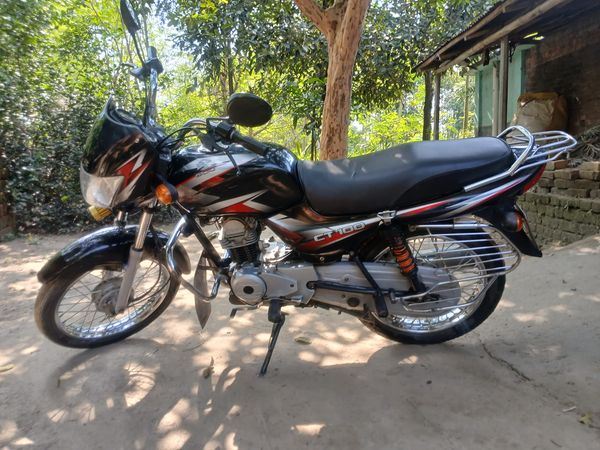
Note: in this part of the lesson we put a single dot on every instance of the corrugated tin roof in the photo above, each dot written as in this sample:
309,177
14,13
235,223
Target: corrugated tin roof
489,24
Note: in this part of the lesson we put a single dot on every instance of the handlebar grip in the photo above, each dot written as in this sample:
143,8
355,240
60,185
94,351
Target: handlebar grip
250,143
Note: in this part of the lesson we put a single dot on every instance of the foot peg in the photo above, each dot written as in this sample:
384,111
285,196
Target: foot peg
278,318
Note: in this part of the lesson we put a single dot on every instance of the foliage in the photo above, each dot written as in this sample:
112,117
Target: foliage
379,129
61,59
270,41
58,67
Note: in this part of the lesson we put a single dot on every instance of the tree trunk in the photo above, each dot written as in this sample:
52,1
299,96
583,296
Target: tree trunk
342,26
427,106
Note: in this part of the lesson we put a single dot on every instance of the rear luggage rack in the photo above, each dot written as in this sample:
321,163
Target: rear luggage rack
530,150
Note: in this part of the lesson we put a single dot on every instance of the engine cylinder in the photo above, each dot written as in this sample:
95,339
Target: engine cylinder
239,235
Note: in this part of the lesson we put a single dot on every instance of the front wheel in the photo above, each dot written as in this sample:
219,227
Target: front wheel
467,296
76,309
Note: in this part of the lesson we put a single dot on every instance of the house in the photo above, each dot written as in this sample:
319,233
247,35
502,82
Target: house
527,46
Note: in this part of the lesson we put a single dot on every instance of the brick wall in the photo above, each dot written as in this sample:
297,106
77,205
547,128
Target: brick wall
7,220
565,205
567,61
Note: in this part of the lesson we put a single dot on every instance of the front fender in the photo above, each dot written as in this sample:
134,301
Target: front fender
117,241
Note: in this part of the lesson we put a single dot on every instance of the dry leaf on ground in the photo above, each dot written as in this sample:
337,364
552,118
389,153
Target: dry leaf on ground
303,340
207,372
6,368
586,419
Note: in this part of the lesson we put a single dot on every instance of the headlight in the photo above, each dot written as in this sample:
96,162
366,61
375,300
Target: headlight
99,191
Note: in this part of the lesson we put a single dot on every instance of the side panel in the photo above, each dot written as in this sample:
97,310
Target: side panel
313,234
209,183
111,239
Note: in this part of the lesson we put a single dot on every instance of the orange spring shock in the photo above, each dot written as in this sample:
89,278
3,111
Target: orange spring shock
403,255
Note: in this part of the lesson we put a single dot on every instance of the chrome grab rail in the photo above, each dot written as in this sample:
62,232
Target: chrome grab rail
530,150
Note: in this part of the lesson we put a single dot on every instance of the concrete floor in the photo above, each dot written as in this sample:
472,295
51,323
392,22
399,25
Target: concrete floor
524,379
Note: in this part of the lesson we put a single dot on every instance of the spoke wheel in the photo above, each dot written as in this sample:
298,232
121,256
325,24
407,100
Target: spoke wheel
459,298
77,309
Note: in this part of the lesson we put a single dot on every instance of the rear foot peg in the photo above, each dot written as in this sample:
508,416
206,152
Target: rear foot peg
278,318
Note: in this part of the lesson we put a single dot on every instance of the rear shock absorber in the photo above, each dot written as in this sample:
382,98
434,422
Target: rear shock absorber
403,255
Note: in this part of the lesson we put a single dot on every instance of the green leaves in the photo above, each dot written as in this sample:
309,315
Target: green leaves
57,60
286,56
60,59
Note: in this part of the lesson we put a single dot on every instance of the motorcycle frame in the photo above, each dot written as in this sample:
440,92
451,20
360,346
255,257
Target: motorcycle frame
311,232
320,238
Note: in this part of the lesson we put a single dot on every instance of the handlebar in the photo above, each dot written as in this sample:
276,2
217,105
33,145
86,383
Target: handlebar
225,130
228,131
250,143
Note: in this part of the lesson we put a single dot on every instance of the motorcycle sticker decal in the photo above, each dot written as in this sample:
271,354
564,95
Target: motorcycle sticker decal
133,168
242,204
212,174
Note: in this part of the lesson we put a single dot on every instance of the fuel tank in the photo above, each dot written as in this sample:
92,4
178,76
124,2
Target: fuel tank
212,182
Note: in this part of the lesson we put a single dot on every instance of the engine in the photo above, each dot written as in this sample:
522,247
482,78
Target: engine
239,236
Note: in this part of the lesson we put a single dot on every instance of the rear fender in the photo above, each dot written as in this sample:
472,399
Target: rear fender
116,240
523,240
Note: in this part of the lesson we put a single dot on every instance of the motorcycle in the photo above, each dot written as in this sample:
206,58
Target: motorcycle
414,241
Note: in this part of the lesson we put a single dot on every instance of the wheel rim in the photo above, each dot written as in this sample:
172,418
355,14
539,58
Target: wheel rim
465,271
82,311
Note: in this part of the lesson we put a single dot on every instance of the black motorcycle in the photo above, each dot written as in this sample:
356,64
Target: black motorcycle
414,241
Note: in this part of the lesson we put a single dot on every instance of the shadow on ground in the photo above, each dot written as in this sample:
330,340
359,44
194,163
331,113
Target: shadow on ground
506,386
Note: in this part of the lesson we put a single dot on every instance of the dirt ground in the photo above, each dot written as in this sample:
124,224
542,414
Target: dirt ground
526,378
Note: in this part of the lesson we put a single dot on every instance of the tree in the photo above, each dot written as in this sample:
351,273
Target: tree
342,25
428,80
286,57
58,64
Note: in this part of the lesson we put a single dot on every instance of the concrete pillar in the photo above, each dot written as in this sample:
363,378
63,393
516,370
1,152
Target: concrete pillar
495,108
503,84
437,87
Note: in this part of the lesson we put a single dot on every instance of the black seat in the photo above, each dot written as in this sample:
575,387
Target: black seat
402,176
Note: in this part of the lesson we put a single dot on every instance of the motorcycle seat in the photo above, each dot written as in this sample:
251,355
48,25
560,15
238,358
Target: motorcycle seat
402,176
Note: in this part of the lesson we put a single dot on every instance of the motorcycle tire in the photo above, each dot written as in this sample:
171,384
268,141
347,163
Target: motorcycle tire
487,305
52,293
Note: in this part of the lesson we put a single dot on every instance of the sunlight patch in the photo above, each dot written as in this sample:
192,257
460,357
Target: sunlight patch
529,317
409,360
309,429
174,440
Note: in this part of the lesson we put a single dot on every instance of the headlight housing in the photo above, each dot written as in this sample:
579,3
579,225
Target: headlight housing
99,191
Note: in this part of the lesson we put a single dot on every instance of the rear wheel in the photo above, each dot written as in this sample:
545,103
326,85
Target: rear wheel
76,309
464,292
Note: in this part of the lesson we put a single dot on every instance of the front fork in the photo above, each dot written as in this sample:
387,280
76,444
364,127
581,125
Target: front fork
135,256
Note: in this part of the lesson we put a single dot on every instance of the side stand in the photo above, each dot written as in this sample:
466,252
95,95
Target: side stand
278,319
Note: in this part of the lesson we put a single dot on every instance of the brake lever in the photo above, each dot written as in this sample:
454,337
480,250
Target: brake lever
238,172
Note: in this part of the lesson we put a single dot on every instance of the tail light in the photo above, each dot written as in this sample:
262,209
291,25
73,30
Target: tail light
513,221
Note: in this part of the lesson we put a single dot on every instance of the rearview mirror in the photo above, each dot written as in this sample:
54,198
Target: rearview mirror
129,17
248,110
